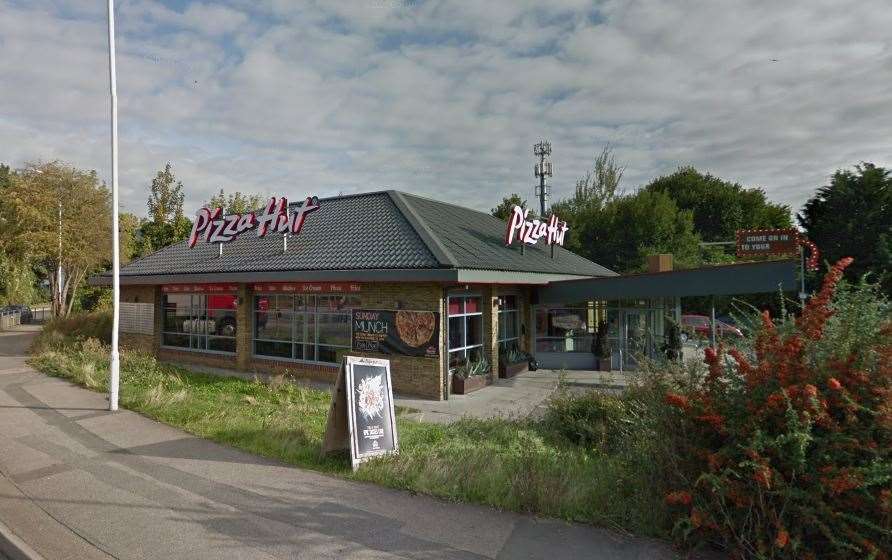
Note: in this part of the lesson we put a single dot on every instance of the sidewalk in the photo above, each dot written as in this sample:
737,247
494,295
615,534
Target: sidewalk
78,482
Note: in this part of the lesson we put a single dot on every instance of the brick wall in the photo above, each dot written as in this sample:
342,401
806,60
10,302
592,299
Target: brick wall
411,376
227,361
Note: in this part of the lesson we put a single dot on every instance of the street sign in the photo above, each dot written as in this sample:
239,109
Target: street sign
753,242
361,415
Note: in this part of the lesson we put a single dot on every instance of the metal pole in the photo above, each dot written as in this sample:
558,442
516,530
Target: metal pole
712,320
802,293
115,366
59,264
542,194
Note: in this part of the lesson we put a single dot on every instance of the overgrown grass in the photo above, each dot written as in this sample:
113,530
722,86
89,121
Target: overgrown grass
589,460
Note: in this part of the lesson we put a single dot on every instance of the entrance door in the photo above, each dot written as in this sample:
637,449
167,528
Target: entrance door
636,343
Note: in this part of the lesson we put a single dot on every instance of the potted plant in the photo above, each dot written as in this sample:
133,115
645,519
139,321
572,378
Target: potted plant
601,350
512,363
470,376
672,345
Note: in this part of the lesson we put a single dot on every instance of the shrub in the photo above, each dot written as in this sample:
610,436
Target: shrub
786,452
75,328
591,419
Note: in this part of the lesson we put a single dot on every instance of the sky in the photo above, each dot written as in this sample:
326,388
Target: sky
446,98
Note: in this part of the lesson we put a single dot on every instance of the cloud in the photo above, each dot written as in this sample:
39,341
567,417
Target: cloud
446,98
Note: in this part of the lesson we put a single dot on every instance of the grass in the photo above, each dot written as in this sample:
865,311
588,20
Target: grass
543,467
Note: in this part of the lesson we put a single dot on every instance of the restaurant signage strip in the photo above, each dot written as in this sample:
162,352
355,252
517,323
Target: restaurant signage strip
404,333
531,231
309,287
199,288
752,242
218,228
361,415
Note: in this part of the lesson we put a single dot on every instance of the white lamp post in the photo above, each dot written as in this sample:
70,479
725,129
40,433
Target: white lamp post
115,366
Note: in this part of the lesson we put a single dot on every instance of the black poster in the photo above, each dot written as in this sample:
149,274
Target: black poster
370,408
404,333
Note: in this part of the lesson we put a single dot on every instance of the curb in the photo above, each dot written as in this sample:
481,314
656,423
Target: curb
14,547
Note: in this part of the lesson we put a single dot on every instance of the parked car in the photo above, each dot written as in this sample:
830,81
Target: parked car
699,325
24,310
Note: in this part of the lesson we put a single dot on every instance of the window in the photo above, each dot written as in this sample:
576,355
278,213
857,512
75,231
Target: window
509,324
562,330
465,330
303,327
201,322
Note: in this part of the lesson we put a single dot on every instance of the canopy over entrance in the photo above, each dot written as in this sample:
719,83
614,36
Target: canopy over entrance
636,308
731,279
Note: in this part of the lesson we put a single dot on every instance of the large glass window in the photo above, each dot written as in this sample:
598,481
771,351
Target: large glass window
509,324
202,322
562,329
313,328
465,330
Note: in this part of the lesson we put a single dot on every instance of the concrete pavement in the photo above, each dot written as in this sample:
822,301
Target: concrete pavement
78,482
524,395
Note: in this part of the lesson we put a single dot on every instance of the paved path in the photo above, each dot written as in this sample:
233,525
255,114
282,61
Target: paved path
78,482
524,395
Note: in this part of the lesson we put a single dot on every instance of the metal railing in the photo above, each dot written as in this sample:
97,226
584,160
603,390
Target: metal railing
10,319
40,316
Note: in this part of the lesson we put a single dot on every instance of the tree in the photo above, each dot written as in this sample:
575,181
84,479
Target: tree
166,224
852,217
592,192
6,176
236,203
504,209
31,224
131,241
719,207
629,228
597,188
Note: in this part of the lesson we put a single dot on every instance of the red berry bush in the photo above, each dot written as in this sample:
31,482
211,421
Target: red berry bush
786,448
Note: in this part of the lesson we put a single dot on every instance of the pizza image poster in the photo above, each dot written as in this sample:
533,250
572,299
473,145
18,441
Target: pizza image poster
370,408
397,332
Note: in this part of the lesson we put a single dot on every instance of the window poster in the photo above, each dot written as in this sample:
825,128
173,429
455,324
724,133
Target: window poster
402,332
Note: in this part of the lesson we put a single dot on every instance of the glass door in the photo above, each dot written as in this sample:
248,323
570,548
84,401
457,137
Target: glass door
636,337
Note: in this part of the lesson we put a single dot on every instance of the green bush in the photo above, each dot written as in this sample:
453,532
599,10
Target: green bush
590,419
77,327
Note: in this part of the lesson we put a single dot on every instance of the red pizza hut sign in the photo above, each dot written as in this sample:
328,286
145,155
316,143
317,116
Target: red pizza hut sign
309,287
531,231
217,228
199,288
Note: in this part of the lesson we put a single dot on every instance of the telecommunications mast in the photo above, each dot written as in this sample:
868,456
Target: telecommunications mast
542,170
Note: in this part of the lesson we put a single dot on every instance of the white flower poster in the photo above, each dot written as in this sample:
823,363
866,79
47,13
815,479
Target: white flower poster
371,421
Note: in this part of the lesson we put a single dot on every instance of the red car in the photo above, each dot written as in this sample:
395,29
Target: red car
699,325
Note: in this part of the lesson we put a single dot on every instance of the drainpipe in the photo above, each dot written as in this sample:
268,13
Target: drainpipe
444,347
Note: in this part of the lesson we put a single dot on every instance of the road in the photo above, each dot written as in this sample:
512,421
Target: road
78,482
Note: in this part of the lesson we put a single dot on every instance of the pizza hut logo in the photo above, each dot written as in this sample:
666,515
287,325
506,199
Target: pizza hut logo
531,231
217,228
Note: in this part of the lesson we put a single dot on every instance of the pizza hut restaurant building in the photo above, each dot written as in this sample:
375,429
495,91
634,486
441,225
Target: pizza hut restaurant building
426,284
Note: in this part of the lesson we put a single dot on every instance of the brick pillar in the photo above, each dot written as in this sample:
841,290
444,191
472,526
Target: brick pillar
243,323
526,320
489,301
158,317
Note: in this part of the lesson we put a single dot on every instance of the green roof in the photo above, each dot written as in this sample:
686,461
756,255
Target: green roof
377,231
